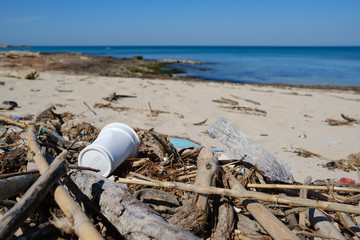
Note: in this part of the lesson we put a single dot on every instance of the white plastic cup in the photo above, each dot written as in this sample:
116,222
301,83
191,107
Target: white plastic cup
115,143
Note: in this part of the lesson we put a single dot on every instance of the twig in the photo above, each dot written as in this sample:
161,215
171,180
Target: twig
73,166
71,144
12,122
151,111
200,123
34,171
309,187
181,178
308,154
89,108
7,175
8,146
292,201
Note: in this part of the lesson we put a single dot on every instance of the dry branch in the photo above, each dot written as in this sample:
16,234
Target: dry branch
291,201
309,187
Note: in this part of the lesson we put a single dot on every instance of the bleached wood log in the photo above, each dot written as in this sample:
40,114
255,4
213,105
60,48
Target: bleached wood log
14,185
267,220
15,217
323,224
241,145
132,218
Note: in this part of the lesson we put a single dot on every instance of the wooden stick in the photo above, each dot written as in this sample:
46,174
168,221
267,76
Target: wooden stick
267,220
309,187
15,217
35,171
13,174
83,227
291,201
12,122
89,108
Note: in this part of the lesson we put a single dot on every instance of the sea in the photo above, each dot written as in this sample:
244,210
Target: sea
336,66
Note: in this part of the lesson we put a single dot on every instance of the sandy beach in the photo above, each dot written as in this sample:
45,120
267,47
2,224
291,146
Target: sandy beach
282,119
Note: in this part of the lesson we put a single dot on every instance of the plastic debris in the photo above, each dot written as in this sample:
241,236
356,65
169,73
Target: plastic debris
347,180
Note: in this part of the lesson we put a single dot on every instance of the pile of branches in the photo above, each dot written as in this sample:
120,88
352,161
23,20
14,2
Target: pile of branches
163,193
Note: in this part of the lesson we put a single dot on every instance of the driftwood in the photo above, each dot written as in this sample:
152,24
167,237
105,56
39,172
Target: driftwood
303,194
15,217
193,214
132,218
14,185
291,201
323,224
241,145
268,221
225,218
206,169
82,226
225,223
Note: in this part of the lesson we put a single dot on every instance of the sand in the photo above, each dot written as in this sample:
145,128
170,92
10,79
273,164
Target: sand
295,117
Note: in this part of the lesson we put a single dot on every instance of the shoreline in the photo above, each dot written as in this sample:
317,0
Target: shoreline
148,68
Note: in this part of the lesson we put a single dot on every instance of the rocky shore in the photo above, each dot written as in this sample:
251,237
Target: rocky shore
76,63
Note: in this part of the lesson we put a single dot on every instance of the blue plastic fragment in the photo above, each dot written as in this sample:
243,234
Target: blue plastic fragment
218,150
183,143
16,117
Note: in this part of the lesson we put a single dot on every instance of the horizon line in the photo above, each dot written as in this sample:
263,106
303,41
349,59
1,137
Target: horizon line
166,45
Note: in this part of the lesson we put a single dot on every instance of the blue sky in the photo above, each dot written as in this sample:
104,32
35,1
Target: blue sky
186,22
